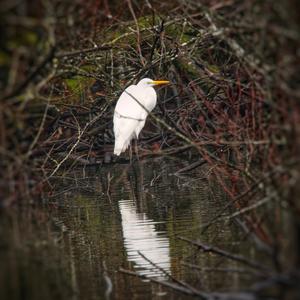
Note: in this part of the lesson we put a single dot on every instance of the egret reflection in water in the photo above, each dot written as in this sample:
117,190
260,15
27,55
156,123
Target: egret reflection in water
140,235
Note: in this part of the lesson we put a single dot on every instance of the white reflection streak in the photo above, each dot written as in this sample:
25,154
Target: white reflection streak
139,234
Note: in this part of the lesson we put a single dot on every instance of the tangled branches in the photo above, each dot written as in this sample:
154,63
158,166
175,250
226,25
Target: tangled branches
232,103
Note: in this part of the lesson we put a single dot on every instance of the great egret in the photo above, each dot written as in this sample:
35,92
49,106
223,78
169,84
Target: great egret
132,110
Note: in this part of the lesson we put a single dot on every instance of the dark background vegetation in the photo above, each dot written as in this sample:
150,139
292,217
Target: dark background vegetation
233,103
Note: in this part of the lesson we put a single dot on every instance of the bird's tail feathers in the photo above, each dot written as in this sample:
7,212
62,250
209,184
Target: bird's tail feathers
120,146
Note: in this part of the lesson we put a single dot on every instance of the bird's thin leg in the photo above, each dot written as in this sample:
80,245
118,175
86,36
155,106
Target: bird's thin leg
136,149
130,153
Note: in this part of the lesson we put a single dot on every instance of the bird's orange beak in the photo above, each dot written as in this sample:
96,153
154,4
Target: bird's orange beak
158,82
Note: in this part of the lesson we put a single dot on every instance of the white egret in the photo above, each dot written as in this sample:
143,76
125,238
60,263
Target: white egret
132,110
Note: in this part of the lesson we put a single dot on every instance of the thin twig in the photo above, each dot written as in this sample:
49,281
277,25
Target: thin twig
173,286
241,259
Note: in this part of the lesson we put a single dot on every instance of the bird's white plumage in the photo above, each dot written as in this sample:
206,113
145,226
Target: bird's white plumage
130,113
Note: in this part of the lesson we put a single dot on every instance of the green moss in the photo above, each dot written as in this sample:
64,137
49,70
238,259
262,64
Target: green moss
183,33
148,22
30,38
88,68
73,83
187,67
77,86
213,68
23,38
124,34
79,83
4,59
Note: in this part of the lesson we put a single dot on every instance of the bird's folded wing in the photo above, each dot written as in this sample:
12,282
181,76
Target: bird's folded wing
129,103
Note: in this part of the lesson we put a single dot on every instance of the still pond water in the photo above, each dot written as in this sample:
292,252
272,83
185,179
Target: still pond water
101,219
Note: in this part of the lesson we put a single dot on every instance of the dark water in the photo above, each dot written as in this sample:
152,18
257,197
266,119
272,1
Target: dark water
99,220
